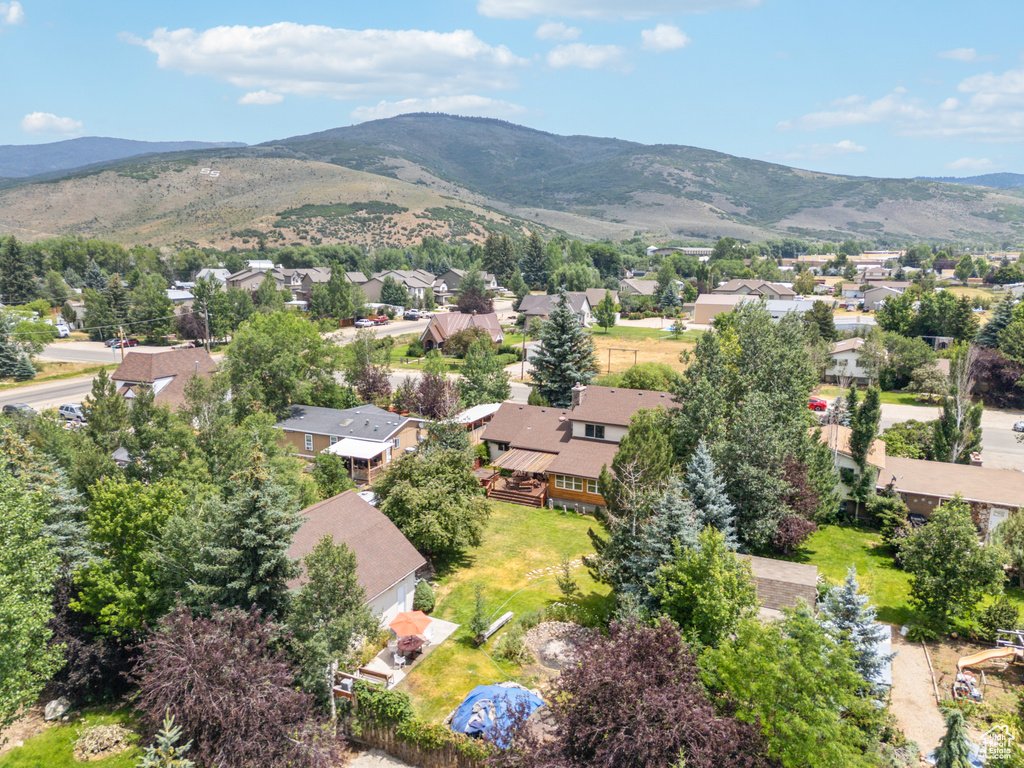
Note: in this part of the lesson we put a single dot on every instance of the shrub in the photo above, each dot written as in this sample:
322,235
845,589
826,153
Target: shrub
918,633
460,341
423,599
536,398
511,646
508,349
479,623
415,349
1002,614
889,515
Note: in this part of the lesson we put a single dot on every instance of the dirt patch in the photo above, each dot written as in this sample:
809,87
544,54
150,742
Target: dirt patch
625,352
913,698
31,724
102,741
556,643
373,758
998,679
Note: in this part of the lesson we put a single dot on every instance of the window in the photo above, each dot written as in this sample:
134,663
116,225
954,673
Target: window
591,486
595,431
334,439
567,483
309,442
502,446
397,442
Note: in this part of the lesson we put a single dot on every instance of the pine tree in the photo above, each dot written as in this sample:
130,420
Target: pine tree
1002,316
118,299
17,283
166,753
954,750
707,492
566,356
393,293
247,563
534,264
24,370
94,277
848,617
669,298
106,413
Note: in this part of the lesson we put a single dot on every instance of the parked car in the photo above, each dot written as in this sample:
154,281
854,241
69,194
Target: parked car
18,409
118,343
817,404
71,412
1019,426
380,320
364,322
412,314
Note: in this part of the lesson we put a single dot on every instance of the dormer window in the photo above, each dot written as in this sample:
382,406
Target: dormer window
595,431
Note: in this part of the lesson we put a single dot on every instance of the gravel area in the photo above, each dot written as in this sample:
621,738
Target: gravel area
554,643
913,698
375,758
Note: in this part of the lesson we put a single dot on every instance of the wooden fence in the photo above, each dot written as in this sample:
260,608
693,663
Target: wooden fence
447,756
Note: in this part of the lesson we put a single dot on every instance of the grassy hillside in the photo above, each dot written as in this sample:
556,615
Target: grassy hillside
460,177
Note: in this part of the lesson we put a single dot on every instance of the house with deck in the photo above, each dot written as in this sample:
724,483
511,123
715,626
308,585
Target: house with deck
556,455
167,372
367,437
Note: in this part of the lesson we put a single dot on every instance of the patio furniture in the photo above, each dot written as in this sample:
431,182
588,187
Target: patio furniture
399,660
410,644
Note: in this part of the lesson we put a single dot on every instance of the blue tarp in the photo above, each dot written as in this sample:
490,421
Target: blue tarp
489,704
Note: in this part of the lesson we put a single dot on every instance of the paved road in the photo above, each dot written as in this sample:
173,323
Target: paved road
49,394
82,352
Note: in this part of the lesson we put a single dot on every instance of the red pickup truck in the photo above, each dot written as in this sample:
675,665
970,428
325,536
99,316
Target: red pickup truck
380,320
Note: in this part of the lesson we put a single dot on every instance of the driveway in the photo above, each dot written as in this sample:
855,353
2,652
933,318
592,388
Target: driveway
913,697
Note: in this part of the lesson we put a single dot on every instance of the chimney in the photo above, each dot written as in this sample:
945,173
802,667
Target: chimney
577,394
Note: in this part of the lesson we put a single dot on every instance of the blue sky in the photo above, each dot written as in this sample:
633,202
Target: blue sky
869,88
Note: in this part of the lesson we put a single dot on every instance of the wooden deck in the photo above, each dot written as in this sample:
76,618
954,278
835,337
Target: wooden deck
533,493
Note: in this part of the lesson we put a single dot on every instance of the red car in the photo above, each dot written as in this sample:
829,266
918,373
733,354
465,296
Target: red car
816,404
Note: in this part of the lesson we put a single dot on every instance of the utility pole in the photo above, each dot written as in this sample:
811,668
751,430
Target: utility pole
206,319
522,368
120,336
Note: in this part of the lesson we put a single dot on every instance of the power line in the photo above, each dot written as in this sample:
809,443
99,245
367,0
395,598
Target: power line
115,325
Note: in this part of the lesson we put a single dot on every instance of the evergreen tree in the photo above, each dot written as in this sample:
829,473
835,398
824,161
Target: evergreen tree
534,263
707,493
863,430
24,370
106,413
566,356
1002,316
166,753
483,377
247,563
669,298
963,325
473,295
703,402
94,277
848,617
118,299
500,257
820,317
17,282
954,750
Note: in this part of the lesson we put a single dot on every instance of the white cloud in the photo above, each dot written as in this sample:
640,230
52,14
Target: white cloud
556,30
308,60
472,106
261,97
586,56
852,110
44,122
664,37
959,54
815,151
603,9
970,164
12,13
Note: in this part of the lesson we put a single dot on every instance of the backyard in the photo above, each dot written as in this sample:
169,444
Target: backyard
55,745
518,541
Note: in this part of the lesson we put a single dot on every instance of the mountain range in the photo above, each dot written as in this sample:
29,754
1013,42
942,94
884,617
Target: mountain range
391,182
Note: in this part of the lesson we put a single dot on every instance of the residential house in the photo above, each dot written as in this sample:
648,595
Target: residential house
415,281
386,563
367,437
246,280
852,290
874,274
180,297
760,288
167,372
356,278
876,296
993,494
846,364
710,305
476,418
596,295
636,287
538,307
443,325
780,308
219,275
453,280
561,451
837,438
300,281
856,324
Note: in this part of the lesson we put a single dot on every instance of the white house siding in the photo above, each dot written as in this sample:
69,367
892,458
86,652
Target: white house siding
847,364
394,600
612,434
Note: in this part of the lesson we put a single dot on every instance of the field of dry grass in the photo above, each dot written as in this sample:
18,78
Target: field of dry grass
625,351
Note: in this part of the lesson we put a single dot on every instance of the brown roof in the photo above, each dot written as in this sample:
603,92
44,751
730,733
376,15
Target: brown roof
754,287
781,583
383,555
1002,487
615,405
148,367
442,326
847,345
531,427
584,458
829,433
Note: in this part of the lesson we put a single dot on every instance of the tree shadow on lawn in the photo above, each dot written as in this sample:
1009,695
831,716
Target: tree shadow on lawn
449,563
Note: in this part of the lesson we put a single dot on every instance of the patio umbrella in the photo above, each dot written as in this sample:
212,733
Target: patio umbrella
410,623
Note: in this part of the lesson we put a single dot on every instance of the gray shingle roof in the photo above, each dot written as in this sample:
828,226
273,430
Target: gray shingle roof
365,421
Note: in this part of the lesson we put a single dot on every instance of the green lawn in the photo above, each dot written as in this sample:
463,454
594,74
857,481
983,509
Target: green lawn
517,541
889,398
624,332
54,747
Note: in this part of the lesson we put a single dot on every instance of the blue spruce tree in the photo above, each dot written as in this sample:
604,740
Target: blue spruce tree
848,617
707,492
566,356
